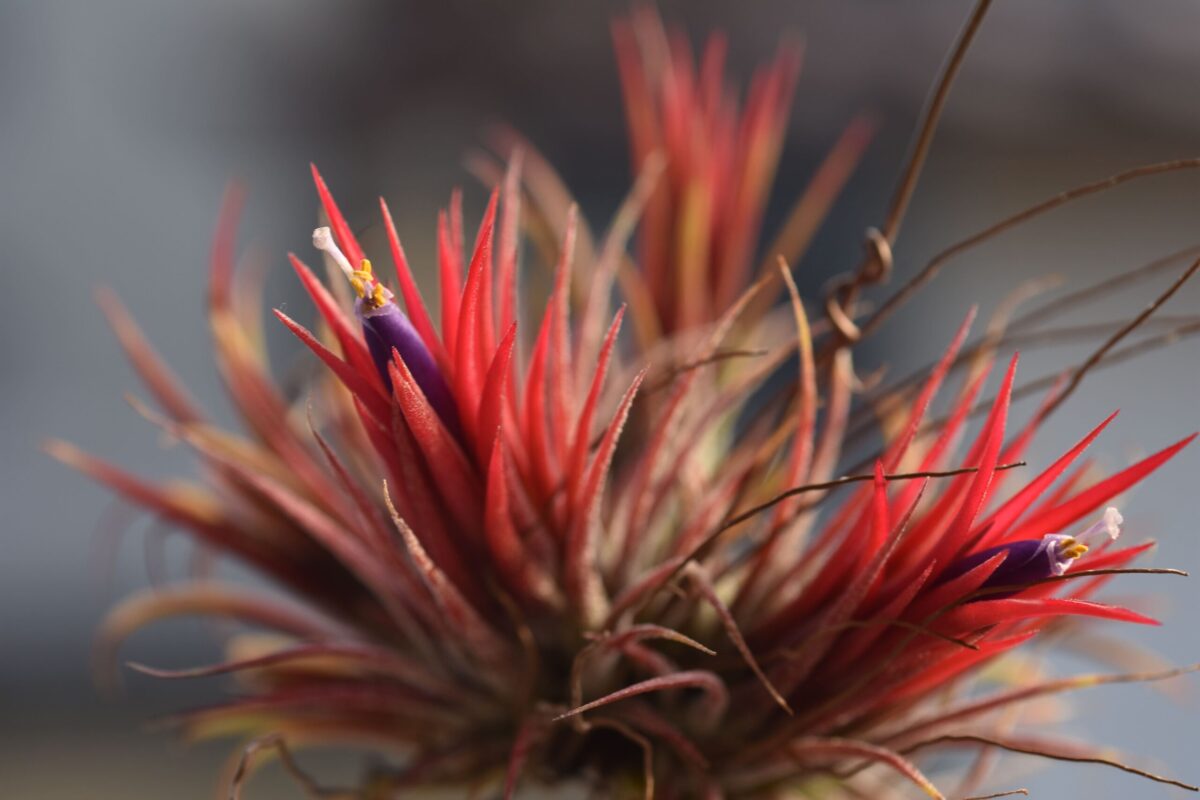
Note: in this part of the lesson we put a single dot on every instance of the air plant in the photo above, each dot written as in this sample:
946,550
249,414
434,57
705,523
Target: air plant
487,578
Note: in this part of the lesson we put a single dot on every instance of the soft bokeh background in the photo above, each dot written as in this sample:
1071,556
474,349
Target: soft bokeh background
121,120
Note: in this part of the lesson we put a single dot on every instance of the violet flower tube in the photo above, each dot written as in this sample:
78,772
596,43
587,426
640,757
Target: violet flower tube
387,328
1031,560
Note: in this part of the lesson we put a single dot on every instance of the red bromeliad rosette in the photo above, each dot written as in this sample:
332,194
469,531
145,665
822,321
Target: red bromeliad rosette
496,584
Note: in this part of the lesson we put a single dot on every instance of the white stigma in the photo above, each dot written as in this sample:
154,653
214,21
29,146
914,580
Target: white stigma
323,241
1109,526
1063,550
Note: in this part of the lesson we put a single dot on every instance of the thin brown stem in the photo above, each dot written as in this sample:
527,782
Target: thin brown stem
931,269
1024,340
704,545
933,114
310,787
1015,747
1089,293
1067,576
836,482
877,263
1113,340
1047,381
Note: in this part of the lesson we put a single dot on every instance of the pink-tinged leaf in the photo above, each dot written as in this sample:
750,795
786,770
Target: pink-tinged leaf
915,551
945,669
644,718
1059,517
341,229
954,590
510,221
598,298
157,376
801,455
1112,559
346,333
1013,452
1065,488
326,657
583,429
854,645
985,613
456,227
368,513
223,257
323,700
810,209
266,412
190,507
535,422
843,608
581,574
829,445
561,381
204,599
709,593
376,534
463,619
998,524
626,642
643,587
450,274
474,340
880,525
413,302
345,547
522,575
978,493
851,750
519,755
644,483
708,682
494,398
453,476
415,493
367,390
928,391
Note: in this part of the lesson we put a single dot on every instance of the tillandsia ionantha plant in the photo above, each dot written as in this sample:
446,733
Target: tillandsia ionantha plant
522,549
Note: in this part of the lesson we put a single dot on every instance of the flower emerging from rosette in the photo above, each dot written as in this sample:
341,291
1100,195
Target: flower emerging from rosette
496,587
478,574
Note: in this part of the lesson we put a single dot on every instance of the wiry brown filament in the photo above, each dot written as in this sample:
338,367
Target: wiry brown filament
274,741
1071,575
931,269
1110,359
878,262
1098,355
1029,749
701,549
833,484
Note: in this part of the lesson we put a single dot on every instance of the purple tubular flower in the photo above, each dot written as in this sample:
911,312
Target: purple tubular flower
387,328
1031,560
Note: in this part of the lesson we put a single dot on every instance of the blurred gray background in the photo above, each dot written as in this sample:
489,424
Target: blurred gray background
121,120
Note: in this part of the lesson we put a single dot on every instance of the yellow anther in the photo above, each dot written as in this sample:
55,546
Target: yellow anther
378,298
1071,548
366,287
